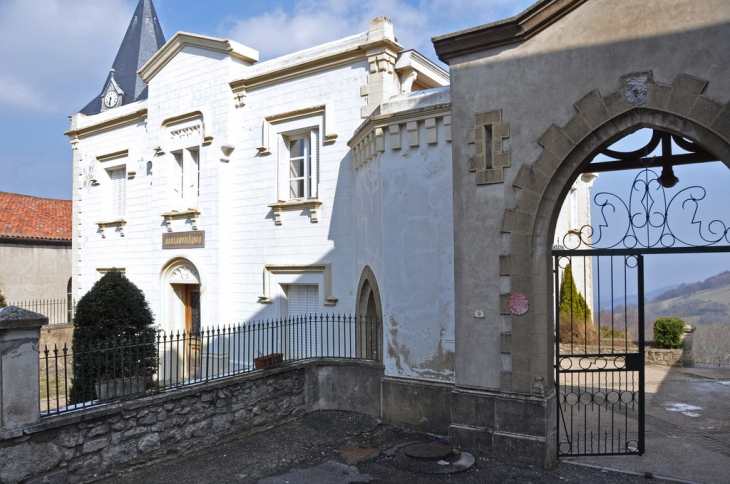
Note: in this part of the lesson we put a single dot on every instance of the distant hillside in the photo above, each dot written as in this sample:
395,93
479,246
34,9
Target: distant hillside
708,306
715,282
634,298
699,303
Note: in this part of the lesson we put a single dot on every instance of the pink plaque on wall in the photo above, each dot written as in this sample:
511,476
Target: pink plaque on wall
518,304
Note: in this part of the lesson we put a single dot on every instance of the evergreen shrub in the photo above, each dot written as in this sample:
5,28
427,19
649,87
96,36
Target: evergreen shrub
114,336
668,332
576,324
3,303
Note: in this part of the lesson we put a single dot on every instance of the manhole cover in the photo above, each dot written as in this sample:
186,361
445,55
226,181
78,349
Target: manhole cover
430,450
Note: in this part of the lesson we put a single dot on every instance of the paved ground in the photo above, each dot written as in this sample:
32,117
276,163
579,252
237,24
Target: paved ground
687,426
300,452
690,444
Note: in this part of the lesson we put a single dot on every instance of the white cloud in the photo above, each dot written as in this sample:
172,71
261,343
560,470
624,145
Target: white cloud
53,49
313,22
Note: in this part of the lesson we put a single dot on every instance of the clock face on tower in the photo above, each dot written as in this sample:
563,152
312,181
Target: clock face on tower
111,98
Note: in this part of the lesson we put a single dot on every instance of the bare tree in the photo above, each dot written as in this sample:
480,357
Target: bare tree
711,345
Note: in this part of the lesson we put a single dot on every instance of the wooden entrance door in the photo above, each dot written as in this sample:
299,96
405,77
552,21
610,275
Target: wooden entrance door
192,328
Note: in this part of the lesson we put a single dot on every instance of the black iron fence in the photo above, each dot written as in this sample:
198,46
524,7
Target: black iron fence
58,311
97,372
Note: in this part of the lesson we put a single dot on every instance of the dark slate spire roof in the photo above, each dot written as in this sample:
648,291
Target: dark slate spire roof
143,39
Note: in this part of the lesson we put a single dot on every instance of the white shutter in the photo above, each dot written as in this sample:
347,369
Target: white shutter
315,162
119,191
305,332
192,188
283,169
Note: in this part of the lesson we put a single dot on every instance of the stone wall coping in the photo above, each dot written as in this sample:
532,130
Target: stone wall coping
13,317
94,413
504,394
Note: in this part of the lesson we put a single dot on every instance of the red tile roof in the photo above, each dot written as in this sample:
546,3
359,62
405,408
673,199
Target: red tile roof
26,217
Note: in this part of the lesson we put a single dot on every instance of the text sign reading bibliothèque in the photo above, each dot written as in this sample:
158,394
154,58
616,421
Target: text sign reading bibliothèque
184,240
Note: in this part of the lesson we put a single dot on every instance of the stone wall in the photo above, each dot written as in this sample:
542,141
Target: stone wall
74,446
56,335
663,357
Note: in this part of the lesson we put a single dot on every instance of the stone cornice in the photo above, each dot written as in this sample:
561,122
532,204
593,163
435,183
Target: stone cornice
508,31
109,124
310,66
184,39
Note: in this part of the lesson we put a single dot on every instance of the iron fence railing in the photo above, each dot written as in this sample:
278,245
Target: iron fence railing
58,311
94,373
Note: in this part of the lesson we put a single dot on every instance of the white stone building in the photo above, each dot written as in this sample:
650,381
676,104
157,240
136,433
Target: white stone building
237,190
230,190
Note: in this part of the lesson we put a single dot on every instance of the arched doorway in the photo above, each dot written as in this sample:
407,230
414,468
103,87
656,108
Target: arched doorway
181,308
590,374
181,319
370,316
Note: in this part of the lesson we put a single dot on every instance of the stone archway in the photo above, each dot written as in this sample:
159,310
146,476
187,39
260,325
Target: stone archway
179,281
370,316
680,108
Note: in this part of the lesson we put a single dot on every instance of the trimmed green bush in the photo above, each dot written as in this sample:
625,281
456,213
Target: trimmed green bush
3,303
114,336
668,332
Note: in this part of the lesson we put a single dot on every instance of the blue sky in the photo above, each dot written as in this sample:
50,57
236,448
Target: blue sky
55,55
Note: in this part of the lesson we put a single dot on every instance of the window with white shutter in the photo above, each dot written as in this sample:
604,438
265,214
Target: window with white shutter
118,191
186,179
302,164
305,332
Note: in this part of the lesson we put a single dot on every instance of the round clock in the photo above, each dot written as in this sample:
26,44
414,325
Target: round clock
111,98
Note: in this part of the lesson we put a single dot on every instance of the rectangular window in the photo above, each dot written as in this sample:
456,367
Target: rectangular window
303,165
118,191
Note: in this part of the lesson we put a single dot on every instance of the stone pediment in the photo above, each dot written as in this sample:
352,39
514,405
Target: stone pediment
184,39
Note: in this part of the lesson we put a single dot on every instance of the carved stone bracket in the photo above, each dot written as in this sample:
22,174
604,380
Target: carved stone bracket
112,223
192,214
489,158
313,206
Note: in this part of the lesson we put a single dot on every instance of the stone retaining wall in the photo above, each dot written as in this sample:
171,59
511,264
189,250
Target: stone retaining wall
663,357
75,446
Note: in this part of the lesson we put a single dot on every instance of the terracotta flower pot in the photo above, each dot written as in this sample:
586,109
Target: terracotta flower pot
268,360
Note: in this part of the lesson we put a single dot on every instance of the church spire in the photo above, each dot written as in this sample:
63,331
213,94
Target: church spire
143,39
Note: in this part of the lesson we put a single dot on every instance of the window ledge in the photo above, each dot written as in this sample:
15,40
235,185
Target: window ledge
312,204
191,213
112,223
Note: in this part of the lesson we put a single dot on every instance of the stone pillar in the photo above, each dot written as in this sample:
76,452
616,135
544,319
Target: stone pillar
687,357
19,384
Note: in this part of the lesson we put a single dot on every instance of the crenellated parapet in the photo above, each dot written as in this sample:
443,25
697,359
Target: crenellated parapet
398,125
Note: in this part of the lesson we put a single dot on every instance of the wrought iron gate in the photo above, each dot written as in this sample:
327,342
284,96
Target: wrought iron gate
599,358
599,364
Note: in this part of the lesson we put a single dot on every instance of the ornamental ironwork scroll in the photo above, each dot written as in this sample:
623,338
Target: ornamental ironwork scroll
650,217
